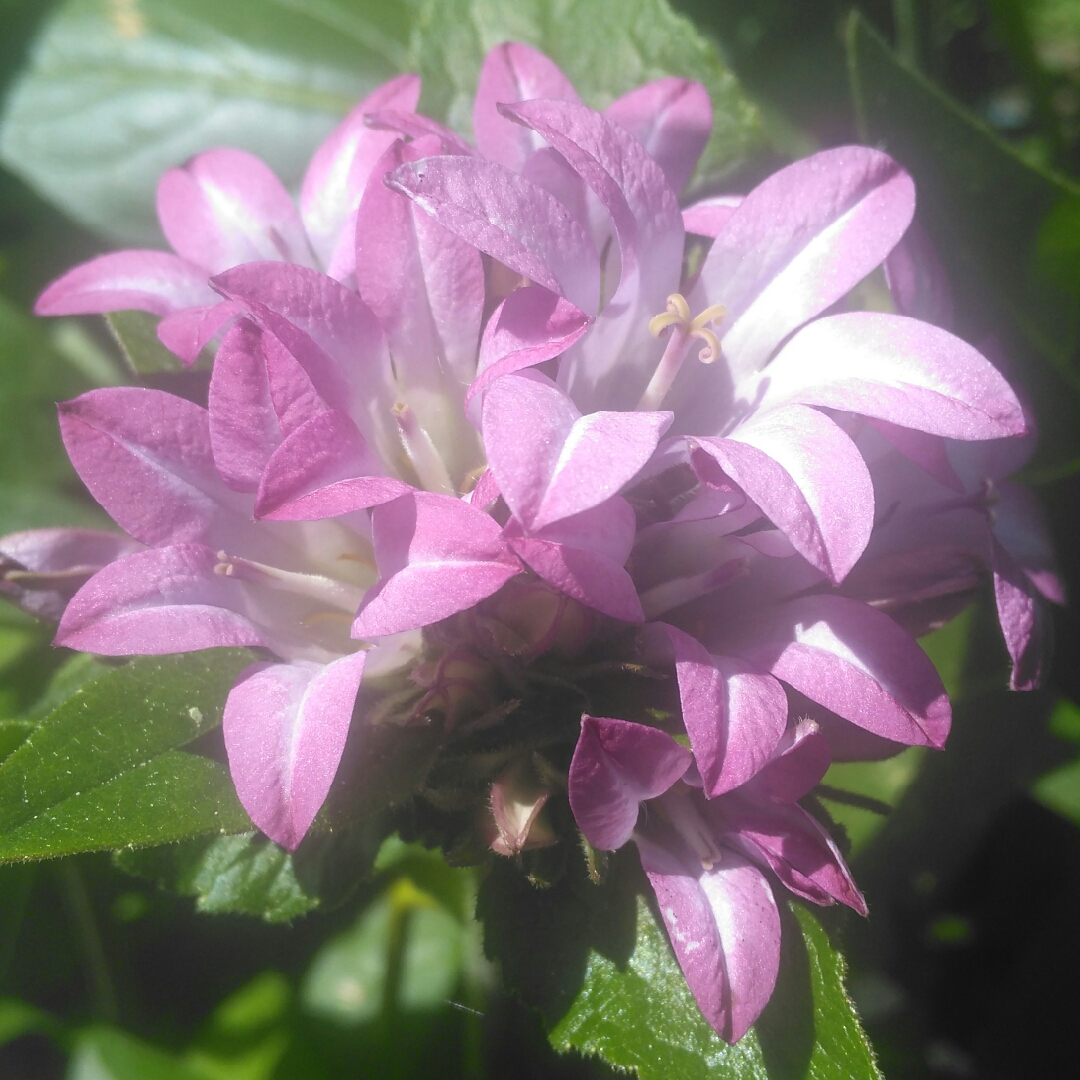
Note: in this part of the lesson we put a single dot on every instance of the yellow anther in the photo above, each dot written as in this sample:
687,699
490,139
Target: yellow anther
678,312
711,353
713,313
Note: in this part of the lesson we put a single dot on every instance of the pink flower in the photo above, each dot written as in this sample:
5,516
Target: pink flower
225,207
577,507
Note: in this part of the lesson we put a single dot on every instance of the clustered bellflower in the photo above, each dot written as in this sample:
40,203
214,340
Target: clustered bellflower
614,493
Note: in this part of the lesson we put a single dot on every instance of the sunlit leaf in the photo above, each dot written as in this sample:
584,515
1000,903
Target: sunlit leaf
103,769
119,91
643,1016
245,874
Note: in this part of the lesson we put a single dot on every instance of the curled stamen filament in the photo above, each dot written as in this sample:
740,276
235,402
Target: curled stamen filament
677,316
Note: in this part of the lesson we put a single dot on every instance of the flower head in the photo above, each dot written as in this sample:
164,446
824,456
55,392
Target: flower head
589,510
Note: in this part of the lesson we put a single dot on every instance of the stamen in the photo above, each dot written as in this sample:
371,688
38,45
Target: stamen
421,452
677,315
679,591
678,808
315,586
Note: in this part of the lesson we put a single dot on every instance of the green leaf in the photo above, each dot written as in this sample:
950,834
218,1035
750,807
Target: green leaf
117,92
35,467
605,48
17,1019
643,1017
135,333
982,201
103,770
405,953
106,1054
1059,789
245,874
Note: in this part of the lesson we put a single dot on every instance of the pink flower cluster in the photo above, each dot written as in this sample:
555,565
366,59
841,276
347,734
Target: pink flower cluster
615,486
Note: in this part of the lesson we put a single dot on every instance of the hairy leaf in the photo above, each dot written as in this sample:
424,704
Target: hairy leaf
103,771
245,874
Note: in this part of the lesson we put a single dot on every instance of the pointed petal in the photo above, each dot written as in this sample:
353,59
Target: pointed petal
672,118
859,664
929,452
1020,526
725,929
154,281
797,243
426,288
809,478
437,556
612,365
788,841
186,333
285,727
571,463
1023,618
339,171
259,393
513,72
41,569
708,216
164,600
733,714
617,765
415,126
897,369
584,556
331,332
510,219
797,765
226,207
530,326
323,469
145,456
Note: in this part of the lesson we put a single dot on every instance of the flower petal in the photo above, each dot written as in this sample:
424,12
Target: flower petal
571,463
509,218
41,569
788,841
583,557
339,172
437,556
145,456
164,600
797,243
672,118
708,216
808,477
893,368
725,929
513,72
154,281
733,714
859,664
617,765
259,393
323,469
285,727
530,326
186,333
226,207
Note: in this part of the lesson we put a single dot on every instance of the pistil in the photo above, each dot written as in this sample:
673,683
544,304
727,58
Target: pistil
421,452
326,590
684,329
